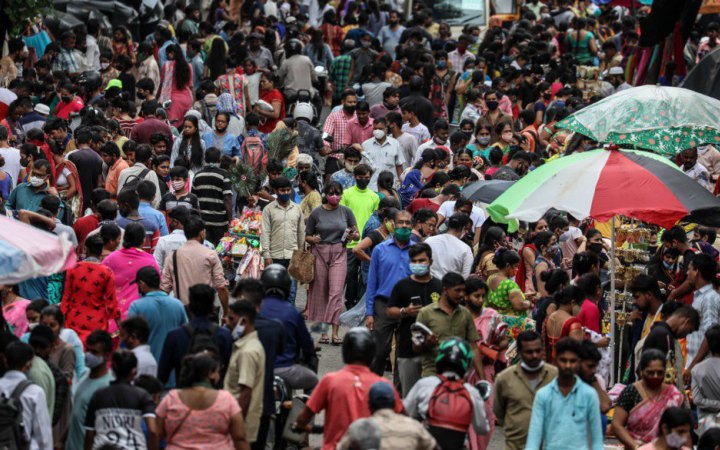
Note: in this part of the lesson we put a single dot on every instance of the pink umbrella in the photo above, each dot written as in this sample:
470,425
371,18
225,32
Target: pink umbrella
27,252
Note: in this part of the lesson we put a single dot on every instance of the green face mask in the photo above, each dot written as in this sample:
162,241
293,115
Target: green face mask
402,234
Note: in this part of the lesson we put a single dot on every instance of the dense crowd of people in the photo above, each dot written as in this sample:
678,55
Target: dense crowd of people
349,130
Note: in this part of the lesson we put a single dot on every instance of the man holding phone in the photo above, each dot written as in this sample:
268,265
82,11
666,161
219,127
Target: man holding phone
407,298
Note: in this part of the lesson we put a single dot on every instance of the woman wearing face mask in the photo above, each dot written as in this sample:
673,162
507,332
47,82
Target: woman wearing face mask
221,138
639,408
464,157
562,323
420,175
69,102
191,148
197,415
483,137
503,136
13,309
329,228
363,250
67,179
505,295
547,249
528,253
545,96
675,431
493,240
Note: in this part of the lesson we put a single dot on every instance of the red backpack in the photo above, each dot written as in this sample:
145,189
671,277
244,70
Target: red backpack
254,153
451,406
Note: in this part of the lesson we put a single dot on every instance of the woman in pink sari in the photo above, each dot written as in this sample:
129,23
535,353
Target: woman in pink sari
125,263
493,342
641,404
13,309
176,85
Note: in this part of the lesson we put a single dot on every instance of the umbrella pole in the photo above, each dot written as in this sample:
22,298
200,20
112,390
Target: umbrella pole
612,302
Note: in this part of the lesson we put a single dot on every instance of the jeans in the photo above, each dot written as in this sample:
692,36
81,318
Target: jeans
384,328
354,286
293,285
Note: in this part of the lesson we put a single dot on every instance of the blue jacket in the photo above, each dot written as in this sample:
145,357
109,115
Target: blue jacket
297,335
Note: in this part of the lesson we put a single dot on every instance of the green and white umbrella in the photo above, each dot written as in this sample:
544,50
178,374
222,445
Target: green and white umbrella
663,119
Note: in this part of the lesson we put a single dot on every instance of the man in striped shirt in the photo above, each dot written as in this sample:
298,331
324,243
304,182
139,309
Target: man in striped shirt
336,126
212,187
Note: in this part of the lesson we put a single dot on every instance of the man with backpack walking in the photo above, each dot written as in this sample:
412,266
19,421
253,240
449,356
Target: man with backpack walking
22,403
131,177
447,404
198,335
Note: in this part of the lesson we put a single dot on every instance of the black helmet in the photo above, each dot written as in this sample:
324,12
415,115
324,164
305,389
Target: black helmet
358,346
91,80
454,355
276,280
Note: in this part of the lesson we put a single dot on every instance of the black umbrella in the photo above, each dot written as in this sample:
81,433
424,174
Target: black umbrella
704,76
486,191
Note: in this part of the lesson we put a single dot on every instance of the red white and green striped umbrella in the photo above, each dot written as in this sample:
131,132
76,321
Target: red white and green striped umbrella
604,183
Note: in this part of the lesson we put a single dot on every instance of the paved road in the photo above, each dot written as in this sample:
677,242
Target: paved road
331,360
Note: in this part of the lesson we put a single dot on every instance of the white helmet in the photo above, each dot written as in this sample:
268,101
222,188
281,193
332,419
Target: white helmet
304,111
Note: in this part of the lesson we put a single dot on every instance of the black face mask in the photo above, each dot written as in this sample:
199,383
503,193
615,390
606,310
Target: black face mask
349,110
24,162
362,183
492,105
66,98
596,248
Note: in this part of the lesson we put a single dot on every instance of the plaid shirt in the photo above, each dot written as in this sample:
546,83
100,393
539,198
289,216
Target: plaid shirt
66,62
707,302
336,125
340,73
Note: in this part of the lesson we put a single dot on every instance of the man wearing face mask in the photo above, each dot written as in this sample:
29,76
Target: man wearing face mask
383,153
134,334
389,264
408,297
391,33
452,254
29,195
441,132
283,227
361,58
516,386
515,169
336,127
246,371
461,54
98,349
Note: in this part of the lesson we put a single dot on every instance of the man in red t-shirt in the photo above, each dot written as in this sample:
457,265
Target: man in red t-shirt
345,394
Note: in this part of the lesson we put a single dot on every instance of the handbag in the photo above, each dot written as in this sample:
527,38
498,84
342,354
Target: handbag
302,266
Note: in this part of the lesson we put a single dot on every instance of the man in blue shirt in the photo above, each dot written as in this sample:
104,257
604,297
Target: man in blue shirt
29,195
566,412
298,342
389,264
146,191
177,343
163,312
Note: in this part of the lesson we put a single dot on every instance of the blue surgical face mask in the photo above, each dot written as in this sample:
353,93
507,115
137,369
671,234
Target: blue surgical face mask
283,198
419,270
92,360
668,265
238,331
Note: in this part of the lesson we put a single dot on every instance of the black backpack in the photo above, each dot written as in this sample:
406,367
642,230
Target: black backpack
12,427
133,180
201,340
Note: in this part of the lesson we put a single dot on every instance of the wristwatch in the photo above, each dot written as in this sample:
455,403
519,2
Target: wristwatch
403,313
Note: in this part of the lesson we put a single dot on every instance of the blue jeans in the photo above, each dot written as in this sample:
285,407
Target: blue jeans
293,286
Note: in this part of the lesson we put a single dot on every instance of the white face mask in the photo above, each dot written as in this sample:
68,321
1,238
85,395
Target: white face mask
674,440
378,134
527,368
36,181
238,331
104,66
178,185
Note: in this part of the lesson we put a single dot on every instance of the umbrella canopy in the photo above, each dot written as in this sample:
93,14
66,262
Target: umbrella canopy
27,252
704,78
604,183
664,119
486,191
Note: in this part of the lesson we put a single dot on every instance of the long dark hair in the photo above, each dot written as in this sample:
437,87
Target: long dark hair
196,151
492,236
217,58
182,68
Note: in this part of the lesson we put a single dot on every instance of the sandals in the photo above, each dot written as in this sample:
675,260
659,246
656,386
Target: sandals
324,340
336,341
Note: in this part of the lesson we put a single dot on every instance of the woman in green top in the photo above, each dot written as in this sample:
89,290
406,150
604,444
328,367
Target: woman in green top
483,136
505,295
581,43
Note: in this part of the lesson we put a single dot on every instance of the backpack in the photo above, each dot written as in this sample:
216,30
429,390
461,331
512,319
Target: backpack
201,340
253,153
12,427
133,180
451,406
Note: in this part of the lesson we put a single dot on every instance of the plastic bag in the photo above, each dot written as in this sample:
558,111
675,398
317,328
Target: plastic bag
355,316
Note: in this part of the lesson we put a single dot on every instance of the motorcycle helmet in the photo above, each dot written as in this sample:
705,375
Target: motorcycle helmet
358,346
303,111
91,80
454,355
276,280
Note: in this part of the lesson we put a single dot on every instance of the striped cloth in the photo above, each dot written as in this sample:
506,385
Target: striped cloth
325,295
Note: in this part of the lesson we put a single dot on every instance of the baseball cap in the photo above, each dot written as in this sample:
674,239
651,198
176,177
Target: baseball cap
114,83
616,71
381,395
148,275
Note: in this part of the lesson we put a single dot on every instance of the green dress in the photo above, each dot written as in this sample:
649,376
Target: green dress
500,298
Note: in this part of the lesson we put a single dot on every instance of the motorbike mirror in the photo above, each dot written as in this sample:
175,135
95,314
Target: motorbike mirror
485,389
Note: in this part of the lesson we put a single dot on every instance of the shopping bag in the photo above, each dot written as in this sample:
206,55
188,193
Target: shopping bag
302,266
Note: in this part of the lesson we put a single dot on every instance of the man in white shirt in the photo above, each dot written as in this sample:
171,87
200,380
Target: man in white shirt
92,49
450,253
694,169
11,155
465,206
134,333
38,429
173,241
382,153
